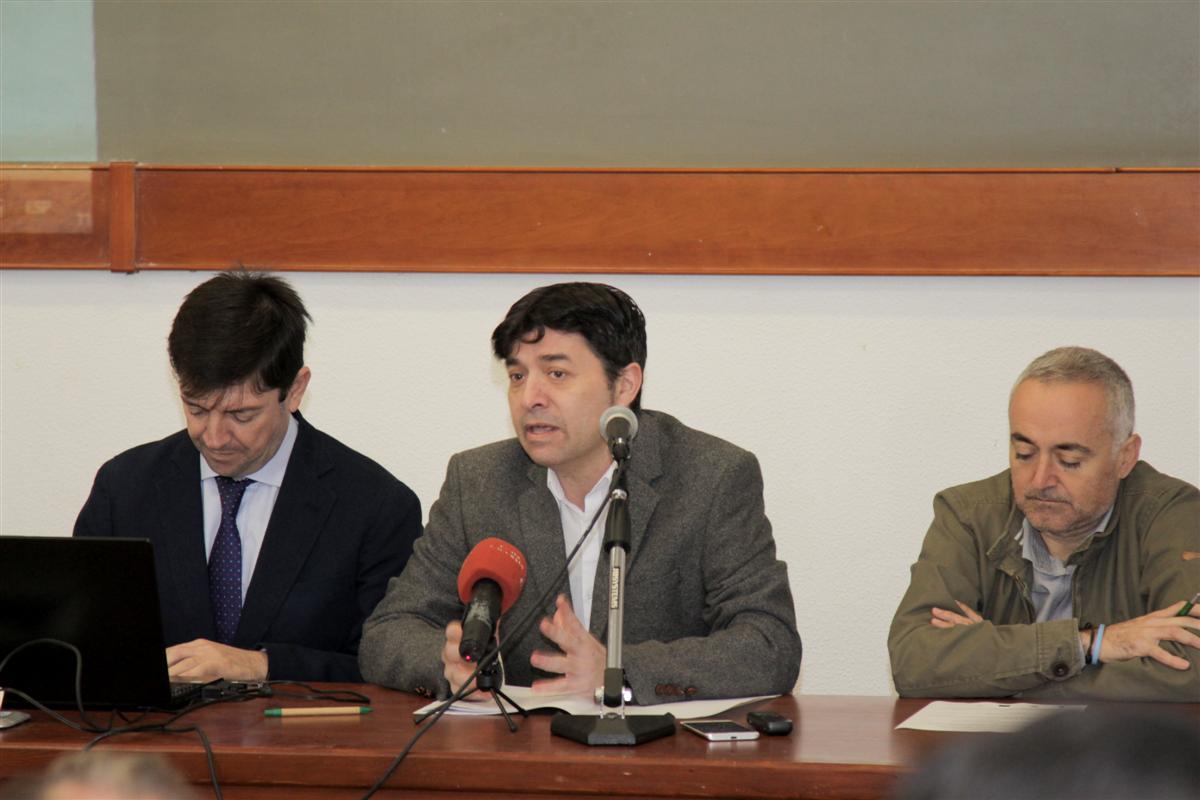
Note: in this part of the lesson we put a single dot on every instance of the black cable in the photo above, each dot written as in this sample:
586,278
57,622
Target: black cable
142,714
86,725
163,727
332,695
136,725
430,719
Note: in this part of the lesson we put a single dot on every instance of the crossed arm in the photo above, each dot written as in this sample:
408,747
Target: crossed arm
1124,641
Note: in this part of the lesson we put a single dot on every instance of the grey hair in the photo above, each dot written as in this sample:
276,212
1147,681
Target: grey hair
1083,365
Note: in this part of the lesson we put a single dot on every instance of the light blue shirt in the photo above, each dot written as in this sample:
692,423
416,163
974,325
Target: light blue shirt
257,503
1051,590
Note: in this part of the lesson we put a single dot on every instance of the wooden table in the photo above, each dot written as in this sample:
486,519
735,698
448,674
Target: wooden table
842,747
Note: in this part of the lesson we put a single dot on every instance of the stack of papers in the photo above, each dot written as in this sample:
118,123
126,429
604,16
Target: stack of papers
943,715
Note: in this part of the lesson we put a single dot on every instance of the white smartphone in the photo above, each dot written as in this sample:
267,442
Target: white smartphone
720,730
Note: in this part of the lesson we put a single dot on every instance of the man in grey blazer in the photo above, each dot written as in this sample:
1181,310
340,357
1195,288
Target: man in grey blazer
708,611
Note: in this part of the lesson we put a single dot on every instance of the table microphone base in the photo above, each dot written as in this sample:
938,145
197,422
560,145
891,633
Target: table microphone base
600,731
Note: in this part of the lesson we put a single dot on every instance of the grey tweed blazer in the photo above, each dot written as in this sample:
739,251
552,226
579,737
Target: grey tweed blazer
708,611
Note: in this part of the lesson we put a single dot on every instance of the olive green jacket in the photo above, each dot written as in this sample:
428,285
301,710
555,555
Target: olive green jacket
1147,558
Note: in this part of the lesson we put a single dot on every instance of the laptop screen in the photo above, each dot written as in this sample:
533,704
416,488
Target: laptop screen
99,595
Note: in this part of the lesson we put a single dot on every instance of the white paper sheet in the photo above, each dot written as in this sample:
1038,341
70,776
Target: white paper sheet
944,715
483,705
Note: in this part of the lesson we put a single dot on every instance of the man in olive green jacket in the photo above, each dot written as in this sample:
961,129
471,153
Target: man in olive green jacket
1064,576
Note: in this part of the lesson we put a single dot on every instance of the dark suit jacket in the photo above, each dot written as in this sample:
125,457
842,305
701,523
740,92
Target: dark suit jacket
341,527
708,609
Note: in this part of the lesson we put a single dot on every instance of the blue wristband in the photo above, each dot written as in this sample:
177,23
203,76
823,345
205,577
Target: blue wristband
1096,644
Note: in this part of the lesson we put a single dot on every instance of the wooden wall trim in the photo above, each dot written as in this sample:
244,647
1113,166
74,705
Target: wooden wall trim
55,215
127,216
122,229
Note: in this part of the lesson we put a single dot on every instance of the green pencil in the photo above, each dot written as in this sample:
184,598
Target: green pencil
316,711
1187,607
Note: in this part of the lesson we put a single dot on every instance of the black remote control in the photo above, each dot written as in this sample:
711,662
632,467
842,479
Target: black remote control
770,723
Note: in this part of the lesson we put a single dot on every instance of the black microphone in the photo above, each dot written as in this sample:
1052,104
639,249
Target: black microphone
618,426
489,582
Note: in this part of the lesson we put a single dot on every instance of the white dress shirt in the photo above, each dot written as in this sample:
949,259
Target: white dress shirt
575,520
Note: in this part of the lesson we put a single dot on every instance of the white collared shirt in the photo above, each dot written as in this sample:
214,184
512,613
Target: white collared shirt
574,522
257,503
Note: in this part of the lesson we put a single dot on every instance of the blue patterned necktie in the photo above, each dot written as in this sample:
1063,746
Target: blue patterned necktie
225,561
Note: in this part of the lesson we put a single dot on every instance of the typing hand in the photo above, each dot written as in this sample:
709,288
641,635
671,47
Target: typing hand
941,618
1140,636
454,669
581,662
202,660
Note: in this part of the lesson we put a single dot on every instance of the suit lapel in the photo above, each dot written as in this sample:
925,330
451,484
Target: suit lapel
300,512
182,536
645,465
540,537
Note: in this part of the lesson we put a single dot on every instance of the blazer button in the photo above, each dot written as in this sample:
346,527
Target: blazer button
1061,670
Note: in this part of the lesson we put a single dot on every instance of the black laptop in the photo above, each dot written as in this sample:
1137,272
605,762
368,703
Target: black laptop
99,595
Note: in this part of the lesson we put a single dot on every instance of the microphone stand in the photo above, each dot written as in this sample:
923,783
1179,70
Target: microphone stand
489,681
614,727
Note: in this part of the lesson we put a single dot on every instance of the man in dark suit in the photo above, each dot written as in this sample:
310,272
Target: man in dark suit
708,608
272,540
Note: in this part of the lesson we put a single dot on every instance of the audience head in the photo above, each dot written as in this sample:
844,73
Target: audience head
1099,754
104,775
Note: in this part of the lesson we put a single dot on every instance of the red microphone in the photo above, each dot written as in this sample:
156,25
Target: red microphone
489,582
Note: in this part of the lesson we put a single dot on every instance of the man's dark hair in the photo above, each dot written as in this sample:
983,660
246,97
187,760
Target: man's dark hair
605,316
1099,754
239,325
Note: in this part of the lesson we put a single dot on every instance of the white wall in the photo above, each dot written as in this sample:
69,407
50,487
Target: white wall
861,396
